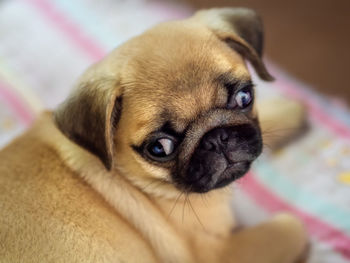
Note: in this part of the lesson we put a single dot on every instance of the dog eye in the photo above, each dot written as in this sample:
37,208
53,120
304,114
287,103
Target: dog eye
244,97
161,148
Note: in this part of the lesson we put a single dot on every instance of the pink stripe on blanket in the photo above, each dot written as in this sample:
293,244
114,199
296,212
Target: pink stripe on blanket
317,228
90,47
169,10
316,111
21,110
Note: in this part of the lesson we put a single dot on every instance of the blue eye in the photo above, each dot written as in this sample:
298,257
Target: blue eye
244,97
161,148
158,150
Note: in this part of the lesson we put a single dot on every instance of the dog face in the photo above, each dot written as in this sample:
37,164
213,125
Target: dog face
175,105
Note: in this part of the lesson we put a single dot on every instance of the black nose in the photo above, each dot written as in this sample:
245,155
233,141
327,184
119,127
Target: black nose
228,139
215,140
223,155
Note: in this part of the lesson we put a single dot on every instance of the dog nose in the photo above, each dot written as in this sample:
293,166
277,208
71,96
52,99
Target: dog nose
224,154
215,140
218,140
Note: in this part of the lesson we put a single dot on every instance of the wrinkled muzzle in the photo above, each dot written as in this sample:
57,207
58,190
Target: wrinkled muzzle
226,144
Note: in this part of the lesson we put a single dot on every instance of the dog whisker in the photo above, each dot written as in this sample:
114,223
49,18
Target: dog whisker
175,203
270,147
196,215
153,184
183,208
204,200
267,131
148,185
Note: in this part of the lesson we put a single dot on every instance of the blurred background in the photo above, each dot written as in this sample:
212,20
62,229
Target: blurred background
46,44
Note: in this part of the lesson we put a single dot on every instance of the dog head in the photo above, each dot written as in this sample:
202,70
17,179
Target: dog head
174,105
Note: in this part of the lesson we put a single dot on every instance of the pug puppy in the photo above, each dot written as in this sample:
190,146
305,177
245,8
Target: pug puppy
135,165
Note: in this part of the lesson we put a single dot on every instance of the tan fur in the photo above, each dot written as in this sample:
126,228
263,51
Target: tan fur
94,199
49,214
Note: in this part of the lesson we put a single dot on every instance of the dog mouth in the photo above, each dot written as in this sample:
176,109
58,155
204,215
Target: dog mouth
233,172
222,156
218,179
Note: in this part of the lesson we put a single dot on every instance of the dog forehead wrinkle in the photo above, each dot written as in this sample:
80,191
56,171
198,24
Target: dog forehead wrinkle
169,60
182,106
228,78
175,124
172,79
186,68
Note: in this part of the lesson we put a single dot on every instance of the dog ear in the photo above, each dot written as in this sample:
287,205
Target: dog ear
89,117
242,30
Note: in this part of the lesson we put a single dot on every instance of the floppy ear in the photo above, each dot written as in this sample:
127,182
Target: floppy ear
90,115
241,29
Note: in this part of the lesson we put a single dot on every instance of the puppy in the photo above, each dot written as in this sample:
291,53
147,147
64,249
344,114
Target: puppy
134,165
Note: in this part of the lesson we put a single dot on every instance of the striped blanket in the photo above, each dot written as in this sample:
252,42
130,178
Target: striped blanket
46,44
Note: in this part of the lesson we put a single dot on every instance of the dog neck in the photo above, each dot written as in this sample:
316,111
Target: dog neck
172,224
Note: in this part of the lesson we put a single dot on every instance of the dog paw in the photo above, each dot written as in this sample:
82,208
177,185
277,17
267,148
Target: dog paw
295,233
278,130
303,257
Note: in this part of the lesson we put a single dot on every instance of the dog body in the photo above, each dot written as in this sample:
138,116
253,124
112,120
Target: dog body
59,218
51,209
133,166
